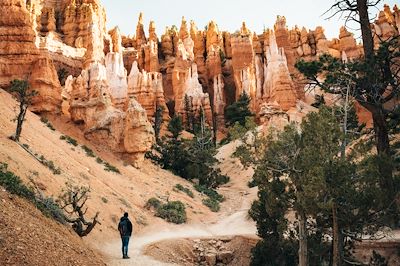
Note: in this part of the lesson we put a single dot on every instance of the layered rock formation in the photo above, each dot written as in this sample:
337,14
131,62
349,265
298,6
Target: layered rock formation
44,41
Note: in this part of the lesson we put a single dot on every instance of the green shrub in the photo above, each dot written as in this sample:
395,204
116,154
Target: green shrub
153,203
212,204
89,152
110,168
14,185
50,165
173,212
99,160
185,190
69,140
51,209
211,193
47,123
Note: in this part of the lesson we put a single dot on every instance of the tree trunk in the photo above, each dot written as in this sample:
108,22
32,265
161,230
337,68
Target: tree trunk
303,260
20,121
368,40
337,260
383,149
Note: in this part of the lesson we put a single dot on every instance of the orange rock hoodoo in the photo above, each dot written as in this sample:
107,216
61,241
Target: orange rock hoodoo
116,82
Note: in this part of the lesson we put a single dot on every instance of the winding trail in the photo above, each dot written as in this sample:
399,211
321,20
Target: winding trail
232,221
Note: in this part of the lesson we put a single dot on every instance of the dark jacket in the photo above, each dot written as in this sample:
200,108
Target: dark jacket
125,227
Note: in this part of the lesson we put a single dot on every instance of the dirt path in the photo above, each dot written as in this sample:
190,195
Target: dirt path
231,221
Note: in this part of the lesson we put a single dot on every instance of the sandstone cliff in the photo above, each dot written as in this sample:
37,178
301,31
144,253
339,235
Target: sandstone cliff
116,82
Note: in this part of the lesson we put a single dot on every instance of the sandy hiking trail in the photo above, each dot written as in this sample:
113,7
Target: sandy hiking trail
232,220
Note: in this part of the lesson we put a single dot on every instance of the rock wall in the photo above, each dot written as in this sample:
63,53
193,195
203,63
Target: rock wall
43,41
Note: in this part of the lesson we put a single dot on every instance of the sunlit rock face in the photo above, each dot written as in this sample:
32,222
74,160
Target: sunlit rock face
115,83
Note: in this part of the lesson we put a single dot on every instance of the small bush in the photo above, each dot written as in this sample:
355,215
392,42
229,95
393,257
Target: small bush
212,204
26,146
104,200
89,152
14,185
153,203
110,168
185,190
50,165
99,160
51,209
47,123
69,140
211,193
173,212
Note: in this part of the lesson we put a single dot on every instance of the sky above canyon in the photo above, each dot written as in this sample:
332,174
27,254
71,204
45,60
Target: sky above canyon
228,14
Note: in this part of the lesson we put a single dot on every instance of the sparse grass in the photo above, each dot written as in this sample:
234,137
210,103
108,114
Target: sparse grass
47,123
212,204
14,185
89,152
69,140
185,190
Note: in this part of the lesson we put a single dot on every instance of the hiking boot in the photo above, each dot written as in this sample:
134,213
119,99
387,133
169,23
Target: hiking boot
126,257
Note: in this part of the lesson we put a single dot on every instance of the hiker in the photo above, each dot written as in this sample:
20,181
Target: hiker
125,230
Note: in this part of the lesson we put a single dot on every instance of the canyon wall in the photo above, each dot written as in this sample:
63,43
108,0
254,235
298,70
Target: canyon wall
113,84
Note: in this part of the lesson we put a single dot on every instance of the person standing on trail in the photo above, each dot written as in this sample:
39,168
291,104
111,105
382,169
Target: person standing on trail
125,230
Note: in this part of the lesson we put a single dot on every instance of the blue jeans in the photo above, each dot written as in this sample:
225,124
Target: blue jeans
125,242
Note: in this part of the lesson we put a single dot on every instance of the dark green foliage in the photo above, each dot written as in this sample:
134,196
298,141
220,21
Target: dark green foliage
189,114
99,160
14,185
185,190
47,123
372,81
222,57
212,204
173,212
317,180
175,126
50,164
110,168
211,193
238,111
153,203
319,101
89,152
69,140
158,120
190,159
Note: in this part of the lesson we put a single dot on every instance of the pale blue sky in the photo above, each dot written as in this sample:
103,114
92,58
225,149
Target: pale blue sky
228,14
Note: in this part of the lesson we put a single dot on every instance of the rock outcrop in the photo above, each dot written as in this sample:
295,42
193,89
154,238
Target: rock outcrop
44,41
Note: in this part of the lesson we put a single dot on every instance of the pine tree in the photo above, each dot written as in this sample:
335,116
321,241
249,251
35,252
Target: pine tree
238,111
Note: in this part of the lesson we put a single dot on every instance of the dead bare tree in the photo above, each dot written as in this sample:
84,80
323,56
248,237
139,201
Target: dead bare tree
73,202
20,89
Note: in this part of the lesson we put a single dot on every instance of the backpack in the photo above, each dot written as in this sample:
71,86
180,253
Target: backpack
123,227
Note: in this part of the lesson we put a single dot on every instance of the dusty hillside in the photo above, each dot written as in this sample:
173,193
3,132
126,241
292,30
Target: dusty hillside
111,193
29,238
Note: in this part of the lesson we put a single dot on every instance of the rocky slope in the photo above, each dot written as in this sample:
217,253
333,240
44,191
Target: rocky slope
29,238
116,82
111,193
